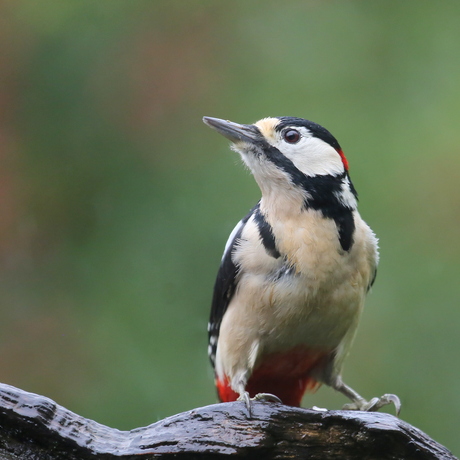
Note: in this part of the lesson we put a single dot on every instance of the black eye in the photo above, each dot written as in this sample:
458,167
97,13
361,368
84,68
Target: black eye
291,135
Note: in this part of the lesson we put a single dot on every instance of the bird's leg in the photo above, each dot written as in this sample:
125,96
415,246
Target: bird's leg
359,403
244,396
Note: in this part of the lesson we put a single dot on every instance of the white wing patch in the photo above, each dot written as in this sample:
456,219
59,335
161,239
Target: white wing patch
229,242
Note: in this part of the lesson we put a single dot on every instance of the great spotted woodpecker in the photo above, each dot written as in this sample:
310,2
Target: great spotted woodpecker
295,270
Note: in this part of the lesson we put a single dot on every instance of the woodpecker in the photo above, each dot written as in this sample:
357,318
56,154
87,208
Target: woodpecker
295,271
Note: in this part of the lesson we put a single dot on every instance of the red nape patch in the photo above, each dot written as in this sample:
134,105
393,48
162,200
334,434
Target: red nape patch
344,159
286,375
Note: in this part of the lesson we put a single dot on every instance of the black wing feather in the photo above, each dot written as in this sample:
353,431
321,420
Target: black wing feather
224,287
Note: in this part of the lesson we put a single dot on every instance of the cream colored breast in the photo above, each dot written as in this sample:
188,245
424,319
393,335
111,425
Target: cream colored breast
312,295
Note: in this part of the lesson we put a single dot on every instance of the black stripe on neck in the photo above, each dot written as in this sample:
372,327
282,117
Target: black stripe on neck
266,233
346,227
322,194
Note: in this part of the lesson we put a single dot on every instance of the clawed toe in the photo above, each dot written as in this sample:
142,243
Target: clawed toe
386,400
375,404
265,397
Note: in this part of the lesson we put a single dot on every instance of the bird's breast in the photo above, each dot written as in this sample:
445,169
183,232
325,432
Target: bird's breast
313,292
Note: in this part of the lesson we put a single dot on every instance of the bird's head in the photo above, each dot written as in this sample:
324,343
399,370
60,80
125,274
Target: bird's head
284,152
288,153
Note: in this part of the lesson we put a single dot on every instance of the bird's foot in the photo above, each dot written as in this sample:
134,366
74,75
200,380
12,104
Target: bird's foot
266,397
375,404
246,399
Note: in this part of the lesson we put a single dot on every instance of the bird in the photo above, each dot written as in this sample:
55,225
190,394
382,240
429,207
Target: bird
295,271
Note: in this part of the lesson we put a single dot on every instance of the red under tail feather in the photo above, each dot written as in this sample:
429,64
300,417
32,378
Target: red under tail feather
286,375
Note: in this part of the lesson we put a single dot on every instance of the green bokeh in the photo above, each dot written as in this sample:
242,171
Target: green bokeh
116,201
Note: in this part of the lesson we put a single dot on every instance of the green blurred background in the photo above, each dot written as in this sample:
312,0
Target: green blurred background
116,201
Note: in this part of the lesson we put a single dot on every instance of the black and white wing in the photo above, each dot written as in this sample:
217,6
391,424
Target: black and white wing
225,286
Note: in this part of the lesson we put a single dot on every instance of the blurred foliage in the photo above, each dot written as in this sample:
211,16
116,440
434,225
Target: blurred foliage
116,201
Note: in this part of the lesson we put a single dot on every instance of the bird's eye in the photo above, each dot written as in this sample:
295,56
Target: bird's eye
291,135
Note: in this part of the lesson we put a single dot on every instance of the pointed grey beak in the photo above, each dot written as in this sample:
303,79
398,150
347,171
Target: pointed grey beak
234,131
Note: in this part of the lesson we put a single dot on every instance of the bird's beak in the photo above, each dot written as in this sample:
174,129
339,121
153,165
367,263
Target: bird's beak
234,131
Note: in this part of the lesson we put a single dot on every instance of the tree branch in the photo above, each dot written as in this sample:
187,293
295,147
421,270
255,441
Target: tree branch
33,426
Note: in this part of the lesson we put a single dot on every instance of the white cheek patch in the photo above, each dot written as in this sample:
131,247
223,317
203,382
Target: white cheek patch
313,156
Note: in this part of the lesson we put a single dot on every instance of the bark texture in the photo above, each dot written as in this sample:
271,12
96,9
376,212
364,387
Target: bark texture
34,427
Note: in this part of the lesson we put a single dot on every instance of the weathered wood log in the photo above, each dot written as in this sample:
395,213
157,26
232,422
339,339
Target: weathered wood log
35,427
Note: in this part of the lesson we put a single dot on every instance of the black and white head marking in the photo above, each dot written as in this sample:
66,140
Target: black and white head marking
313,160
297,156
